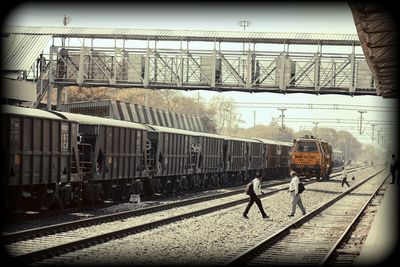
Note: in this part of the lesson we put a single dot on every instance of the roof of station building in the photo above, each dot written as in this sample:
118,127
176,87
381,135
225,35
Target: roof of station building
189,35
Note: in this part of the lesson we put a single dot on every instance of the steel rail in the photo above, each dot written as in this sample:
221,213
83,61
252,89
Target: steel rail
13,237
87,242
57,250
250,253
329,256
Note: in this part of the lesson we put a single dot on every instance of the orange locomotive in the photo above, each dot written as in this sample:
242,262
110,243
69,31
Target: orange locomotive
311,157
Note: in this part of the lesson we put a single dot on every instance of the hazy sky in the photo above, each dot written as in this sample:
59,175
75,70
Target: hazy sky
313,17
271,17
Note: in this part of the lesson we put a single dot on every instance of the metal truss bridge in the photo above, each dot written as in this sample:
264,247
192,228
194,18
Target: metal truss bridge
182,67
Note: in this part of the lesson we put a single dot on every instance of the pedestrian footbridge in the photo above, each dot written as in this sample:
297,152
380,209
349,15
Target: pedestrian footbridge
186,60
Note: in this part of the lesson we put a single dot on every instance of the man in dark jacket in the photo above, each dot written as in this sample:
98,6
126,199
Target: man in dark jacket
255,197
394,165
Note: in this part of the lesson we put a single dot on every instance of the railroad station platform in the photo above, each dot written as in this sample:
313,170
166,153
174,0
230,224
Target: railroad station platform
381,244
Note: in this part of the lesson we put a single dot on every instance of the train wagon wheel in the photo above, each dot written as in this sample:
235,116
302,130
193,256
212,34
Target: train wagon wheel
14,200
326,175
89,199
150,186
47,197
77,199
89,195
222,179
57,202
322,174
183,184
198,180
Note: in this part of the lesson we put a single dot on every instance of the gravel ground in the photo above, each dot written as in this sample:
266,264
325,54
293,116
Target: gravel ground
203,240
90,231
20,226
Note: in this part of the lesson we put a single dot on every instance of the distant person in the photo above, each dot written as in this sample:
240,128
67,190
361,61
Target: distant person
40,64
394,165
344,176
255,193
294,191
372,163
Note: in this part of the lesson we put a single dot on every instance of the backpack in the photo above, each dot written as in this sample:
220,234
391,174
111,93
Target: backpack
301,187
249,188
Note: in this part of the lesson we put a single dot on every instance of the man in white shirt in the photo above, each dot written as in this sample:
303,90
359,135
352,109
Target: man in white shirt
255,194
344,176
294,191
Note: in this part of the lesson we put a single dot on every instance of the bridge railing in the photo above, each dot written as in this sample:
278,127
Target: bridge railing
249,71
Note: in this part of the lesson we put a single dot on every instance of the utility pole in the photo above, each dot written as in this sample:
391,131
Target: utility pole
244,24
382,140
373,130
316,128
254,118
379,135
66,21
361,118
282,116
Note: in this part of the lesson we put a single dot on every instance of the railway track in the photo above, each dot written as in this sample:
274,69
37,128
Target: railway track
30,216
37,244
349,250
16,236
314,238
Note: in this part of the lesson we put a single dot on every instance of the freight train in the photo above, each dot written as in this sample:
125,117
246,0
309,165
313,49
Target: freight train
312,157
58,159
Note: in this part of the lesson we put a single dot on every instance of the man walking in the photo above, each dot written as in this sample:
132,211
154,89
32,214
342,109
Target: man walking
255,194
294,191
394,165
344,176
